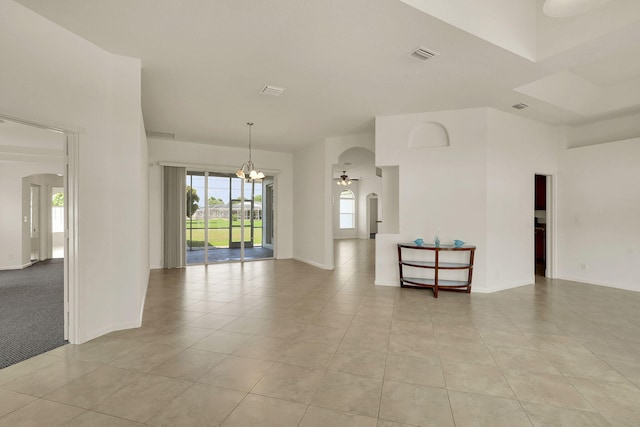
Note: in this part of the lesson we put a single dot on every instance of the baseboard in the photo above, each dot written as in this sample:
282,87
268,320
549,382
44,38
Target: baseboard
313,263
127,325
505,287
378,283
603,284
104,331
17,267
144,296
93,335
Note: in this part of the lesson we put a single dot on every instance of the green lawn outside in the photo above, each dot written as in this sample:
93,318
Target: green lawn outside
220,236
220,223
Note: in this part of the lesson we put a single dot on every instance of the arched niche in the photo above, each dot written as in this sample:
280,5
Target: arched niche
429,134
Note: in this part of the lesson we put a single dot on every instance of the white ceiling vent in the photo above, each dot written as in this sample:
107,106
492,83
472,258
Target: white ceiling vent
157,134
271,90
520,106
423,54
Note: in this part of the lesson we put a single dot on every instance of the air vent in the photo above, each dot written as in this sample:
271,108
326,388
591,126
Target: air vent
520,106
163,135
423,54
271,90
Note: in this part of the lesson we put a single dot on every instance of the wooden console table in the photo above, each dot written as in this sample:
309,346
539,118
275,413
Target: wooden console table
436,282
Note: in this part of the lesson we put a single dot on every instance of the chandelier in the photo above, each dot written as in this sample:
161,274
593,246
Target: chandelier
248,169
344,179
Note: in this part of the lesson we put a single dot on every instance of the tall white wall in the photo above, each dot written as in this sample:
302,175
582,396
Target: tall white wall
312,225
441,190
54,77
517,149
214,158
599,214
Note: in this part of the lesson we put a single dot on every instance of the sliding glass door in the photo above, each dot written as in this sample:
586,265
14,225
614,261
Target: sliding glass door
224,218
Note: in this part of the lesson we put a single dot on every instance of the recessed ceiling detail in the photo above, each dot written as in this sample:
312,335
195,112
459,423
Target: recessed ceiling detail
568,8
349,68
520,106
271,90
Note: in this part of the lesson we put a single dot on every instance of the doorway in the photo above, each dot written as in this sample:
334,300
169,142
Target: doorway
542,227
372,208
34,222
225,218
57,222
40,158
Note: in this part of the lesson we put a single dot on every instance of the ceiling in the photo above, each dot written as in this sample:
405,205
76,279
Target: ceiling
341,62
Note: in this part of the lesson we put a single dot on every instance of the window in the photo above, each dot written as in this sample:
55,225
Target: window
347,209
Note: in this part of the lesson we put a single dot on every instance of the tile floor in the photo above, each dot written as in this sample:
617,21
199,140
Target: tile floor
280,343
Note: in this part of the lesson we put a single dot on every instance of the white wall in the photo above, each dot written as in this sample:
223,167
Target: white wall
601,131
12,247
479,189
599,214
312,223
389,206
220,159
441,190
52,76
517,149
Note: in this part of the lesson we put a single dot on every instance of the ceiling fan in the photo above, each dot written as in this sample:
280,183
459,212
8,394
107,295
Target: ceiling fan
344,179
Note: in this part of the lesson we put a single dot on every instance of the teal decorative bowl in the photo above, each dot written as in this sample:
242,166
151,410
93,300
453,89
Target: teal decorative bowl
458,243
418,242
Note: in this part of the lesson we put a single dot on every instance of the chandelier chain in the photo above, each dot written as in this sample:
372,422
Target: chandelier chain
250,125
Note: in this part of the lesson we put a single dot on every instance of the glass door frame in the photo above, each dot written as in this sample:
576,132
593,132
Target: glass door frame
242,212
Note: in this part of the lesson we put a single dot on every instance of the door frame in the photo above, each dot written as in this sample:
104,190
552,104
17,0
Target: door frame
370,198
551,224
242,243
71,168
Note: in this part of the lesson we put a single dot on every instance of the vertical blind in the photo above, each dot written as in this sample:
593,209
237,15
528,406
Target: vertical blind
174,201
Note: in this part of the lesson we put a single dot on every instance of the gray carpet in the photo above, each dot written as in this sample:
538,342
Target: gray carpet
31,311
